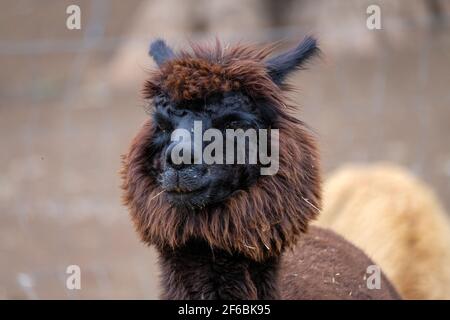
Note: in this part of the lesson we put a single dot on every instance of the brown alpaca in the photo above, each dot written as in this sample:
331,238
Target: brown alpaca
406,229
224,231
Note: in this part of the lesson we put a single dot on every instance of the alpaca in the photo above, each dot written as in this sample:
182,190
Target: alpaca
406,230
226,231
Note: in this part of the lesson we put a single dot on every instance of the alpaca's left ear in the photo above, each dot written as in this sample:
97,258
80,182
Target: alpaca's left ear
160,52
282,65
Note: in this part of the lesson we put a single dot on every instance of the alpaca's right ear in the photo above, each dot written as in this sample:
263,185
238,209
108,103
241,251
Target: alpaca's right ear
281,66
160,52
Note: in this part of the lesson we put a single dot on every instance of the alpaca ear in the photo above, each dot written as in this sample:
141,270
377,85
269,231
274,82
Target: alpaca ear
160,52
281,66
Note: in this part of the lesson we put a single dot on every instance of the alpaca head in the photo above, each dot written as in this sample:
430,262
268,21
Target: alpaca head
173,196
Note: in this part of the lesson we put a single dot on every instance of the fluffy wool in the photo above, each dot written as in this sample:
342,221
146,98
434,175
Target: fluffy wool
255,243
250,222
398,221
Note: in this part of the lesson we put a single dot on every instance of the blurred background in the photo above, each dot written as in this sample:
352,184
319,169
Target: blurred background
70,103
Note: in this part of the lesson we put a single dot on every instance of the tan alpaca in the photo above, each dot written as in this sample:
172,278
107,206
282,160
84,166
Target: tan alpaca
398,221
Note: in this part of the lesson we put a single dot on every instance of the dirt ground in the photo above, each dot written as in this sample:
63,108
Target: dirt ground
63,127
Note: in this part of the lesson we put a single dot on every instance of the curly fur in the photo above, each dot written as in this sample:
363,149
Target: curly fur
268,231
233,250
209,70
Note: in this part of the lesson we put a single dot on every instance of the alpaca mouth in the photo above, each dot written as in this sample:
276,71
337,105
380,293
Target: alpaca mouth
181,191
190,198
184,191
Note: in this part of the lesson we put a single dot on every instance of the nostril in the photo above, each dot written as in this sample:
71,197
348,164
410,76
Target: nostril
180,154
176,166
174,158
169,159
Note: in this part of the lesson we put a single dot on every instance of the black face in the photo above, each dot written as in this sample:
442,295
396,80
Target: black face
198,185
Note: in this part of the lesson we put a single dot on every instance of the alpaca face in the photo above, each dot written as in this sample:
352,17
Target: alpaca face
237,207
218,91
202,184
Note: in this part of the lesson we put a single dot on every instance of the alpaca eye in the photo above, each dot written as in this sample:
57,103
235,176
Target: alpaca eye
164,127
233,125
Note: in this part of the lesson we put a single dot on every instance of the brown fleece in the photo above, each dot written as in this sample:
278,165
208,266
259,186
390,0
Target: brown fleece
233,251
208,70
250,222
259,222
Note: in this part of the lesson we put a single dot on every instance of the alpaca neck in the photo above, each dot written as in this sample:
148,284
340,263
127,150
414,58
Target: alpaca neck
197,271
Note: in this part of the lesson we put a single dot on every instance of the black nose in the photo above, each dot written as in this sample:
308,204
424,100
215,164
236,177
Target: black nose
176,158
